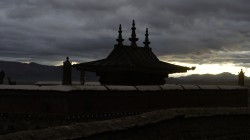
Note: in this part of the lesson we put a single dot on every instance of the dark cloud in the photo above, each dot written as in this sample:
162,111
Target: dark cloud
189,31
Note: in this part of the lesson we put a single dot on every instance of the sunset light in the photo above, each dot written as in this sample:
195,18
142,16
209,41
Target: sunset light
211,69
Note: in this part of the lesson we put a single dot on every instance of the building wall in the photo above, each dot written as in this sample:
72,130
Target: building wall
99,100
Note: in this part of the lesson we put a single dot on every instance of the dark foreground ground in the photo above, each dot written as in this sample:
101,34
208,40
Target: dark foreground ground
171,124
199,123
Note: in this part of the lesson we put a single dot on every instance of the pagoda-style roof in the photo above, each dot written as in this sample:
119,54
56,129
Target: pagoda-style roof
129,63
127,58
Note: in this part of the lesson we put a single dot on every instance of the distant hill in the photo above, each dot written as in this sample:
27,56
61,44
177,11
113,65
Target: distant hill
30,73
24,73
208,79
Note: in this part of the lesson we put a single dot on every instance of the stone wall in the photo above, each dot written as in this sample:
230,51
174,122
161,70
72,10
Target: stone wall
101,101
37,107
172,124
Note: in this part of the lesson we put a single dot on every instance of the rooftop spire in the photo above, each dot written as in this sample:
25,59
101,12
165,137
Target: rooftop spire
133,38
146,42
67,61
120,39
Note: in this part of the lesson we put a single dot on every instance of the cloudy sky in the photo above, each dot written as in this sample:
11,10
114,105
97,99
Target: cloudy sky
209,34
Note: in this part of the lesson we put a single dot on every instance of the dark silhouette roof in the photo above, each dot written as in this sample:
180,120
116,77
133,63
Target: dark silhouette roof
131,65
126,58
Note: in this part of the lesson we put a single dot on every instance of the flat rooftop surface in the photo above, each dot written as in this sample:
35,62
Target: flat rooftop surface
98,87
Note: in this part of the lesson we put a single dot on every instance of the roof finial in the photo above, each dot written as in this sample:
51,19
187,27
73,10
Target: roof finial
146,42
241,71
120,39
133,38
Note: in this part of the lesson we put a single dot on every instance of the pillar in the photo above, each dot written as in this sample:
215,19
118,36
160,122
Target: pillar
241,78
2,74
67,72
82,77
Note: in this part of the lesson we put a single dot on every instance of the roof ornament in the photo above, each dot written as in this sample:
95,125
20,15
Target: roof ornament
241,78
120,39
67,62
133,38
146,42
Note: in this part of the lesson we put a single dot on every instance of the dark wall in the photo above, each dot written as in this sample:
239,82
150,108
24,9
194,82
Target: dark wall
80,102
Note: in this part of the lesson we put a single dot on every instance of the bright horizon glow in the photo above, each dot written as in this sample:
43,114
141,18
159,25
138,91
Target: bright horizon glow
201,69
60,63
210,69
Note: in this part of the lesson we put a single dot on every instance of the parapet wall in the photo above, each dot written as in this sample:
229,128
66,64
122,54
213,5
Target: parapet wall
105,101
171,124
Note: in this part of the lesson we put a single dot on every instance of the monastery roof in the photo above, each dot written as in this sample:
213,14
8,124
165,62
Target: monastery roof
126,58
131,58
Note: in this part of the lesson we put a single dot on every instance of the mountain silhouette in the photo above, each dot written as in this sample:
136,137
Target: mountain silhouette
30,73
208,79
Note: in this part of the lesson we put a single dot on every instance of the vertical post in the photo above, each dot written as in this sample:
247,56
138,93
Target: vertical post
2,74
67,71
82,77
241,78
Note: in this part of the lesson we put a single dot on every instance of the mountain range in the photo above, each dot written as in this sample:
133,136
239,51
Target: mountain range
207,79
30,73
